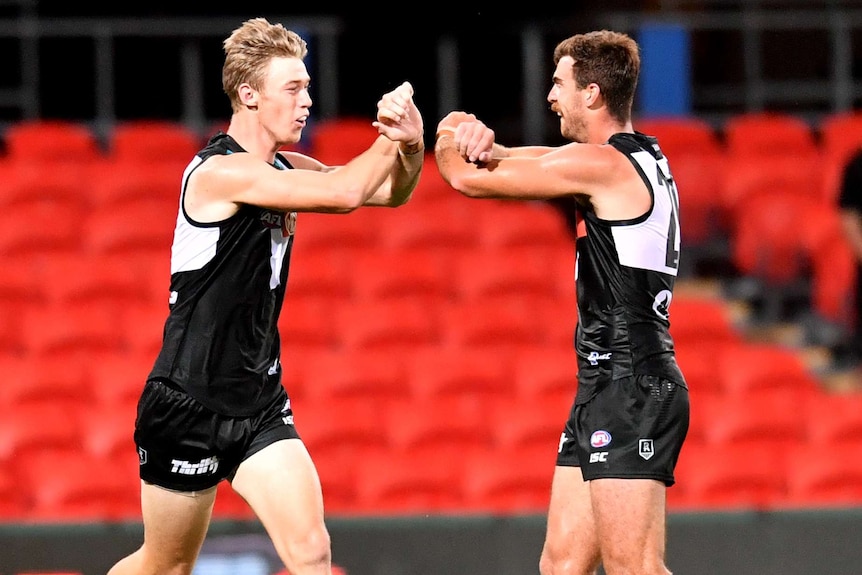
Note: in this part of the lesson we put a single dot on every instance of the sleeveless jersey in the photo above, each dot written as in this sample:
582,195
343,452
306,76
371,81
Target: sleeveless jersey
221,342
625,272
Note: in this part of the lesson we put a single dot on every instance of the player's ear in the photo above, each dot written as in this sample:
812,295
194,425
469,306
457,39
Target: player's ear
592,95
248,96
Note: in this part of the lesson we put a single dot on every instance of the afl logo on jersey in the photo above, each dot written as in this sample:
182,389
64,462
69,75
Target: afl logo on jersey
279,220
661,303
600,438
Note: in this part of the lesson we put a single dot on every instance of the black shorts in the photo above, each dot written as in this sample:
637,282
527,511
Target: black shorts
184,446
634,428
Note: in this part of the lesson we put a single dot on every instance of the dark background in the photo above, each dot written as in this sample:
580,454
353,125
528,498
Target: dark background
382,44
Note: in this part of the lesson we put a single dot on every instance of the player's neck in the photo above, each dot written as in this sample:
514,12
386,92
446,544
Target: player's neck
600,132
249,134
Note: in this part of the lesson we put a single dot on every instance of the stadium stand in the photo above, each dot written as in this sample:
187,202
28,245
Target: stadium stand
470,311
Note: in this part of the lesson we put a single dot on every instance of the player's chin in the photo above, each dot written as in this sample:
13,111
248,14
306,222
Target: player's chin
291,137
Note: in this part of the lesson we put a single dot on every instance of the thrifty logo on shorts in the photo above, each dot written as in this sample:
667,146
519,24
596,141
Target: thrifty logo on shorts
205,466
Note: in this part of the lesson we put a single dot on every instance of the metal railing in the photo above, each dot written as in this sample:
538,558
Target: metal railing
753,24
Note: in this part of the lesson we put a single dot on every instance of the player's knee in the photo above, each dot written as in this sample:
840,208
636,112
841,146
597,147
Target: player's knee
563,563
546,564
640,566
310,549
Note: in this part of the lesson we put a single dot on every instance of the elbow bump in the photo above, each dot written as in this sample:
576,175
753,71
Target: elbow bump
465,189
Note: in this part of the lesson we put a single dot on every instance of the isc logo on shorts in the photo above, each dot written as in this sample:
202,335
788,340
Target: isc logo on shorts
599,457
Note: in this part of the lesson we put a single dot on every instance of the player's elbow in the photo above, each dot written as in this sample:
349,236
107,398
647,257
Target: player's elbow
466,186
346,200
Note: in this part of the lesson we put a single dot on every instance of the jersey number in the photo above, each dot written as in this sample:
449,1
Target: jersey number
671,253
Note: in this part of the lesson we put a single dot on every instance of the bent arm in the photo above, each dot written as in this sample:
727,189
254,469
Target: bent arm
529,173
397,189
311,187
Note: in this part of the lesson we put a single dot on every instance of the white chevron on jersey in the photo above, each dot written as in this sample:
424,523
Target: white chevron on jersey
193,246
644,245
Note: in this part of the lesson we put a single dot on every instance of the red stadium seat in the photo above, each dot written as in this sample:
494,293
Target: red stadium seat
318,231
136,226
834,420
507,273
402,484
823,476
108,430
499,323
764,133
473,376
354,375
32,380
142,328
444,224
36,228
117,379
88,280
529,424
89,488
745,177
341,431
756,421
443,427
339,483
681,135
770,240
20,284
702,320
699,364
230,505
833,282
764,368
153,141
38,428
727,476
118,182
65,184
699,181
10,330
51,141
388,324
840,134
386,275
516,224
510,481
546,373
14,502
336,141
308,323
71,330
317,273
431,187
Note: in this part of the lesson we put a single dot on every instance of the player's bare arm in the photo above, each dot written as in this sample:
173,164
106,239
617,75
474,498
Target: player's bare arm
217,188
399,119
476,142
597,173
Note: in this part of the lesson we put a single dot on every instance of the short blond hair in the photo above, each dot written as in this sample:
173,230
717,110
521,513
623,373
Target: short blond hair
248,51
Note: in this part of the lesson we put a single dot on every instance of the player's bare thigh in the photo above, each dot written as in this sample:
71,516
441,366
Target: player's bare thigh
175,525
571,545
281,484
630,519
